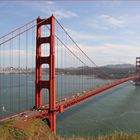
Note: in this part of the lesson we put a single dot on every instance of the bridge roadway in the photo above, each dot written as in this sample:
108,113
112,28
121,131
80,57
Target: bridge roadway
67,102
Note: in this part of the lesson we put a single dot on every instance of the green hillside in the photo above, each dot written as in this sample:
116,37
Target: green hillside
38,130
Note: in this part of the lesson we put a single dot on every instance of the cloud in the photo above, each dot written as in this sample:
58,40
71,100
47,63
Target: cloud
86,36
125,22
114,22
50,2
52,8
106,22
64,14
108,53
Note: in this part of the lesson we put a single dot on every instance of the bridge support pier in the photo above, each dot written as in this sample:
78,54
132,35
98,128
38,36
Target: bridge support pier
50,60
137,81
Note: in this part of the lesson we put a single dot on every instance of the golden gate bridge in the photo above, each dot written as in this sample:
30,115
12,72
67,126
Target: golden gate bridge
25,58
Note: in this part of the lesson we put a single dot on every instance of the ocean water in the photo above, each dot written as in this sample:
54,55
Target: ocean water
117,109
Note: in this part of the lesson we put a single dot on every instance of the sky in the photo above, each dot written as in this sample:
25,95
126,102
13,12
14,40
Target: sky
109,32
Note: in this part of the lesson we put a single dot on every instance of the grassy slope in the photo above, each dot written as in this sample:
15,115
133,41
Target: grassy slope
115,136
31,130
38,130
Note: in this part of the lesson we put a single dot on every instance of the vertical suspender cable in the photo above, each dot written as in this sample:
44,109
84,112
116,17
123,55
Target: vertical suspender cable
26,70
0,86
32,67
12,73
79,69
61,61
3,78
58,94
10,78
19,73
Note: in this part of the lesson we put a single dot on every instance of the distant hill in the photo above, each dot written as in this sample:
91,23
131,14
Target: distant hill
120,66
116,71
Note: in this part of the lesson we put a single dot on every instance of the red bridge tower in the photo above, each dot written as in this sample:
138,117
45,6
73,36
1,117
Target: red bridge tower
50,60
137,81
